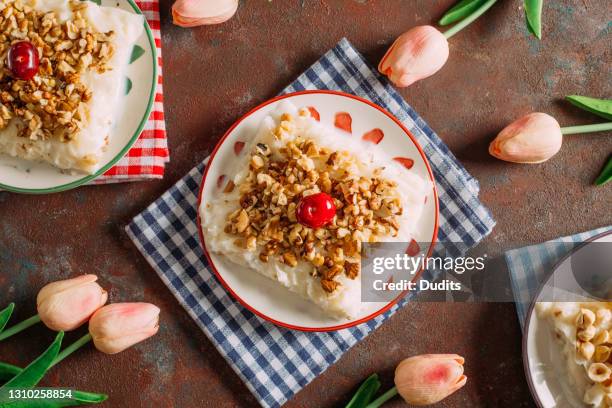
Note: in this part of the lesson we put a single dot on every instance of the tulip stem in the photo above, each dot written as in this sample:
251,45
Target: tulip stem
383,398
19,327
469,19
14,370
598,127
71,349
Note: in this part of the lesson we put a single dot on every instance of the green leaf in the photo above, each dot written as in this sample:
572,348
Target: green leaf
78,398
128,86
600,107
5,315
89,397
8,371
606,174
533,12
137,52
364,394
460,11
33,373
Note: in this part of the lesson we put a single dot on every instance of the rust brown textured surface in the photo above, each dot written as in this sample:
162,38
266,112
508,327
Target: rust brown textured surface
496,72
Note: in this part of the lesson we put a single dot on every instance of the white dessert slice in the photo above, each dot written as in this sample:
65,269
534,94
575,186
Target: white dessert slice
301,278
85,148
584,334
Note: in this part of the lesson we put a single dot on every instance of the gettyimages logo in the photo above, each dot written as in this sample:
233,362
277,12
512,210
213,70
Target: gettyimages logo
413,264
451,273
389,269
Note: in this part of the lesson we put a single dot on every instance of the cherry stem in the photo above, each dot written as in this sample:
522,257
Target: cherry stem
383,398
469,19
19,327
598,127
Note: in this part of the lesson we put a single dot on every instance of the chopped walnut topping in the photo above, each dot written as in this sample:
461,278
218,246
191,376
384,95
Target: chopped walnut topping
333,271
229,187
53,104
241,221
251,243
351,270
290,259
367,207
329,285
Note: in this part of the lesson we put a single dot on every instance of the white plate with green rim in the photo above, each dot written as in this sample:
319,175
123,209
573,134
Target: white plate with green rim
22,176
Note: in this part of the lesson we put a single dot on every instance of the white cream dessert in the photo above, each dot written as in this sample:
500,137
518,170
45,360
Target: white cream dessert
259,220
584,334
64,114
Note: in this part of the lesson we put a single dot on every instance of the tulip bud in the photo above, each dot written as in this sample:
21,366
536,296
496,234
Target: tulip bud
191,13
534,138
118,326
416,54
66,305
427,379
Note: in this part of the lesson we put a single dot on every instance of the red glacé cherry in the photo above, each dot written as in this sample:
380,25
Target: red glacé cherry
316,210
23,60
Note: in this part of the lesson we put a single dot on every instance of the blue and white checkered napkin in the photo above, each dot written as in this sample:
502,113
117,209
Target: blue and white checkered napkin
529,266
274,362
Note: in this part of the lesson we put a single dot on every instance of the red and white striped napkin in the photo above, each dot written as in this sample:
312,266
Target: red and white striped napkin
149,155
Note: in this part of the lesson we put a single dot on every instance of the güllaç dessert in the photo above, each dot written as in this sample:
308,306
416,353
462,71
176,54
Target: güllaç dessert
583,331
62,76
302,200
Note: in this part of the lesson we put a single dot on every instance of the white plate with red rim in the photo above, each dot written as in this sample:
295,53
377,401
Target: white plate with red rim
362,119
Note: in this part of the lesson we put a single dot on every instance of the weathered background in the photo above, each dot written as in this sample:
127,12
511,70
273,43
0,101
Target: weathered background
495,73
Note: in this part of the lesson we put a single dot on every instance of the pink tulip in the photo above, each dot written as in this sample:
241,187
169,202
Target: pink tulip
429,378
66,305
191,13
416,54
534,138
118,326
